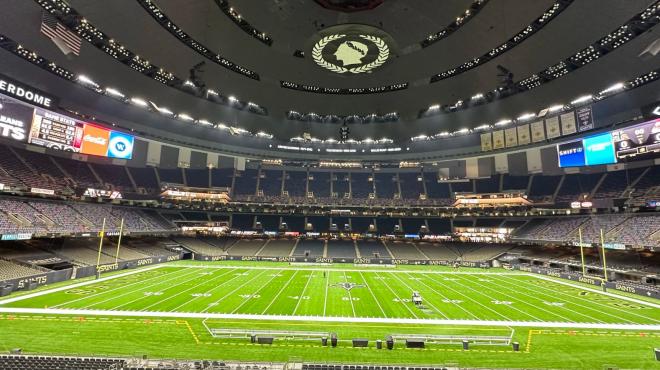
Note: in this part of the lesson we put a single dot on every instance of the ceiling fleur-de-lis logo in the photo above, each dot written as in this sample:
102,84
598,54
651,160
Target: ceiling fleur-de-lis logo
341,53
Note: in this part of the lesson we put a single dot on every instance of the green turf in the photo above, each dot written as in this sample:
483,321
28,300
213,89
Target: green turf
274,289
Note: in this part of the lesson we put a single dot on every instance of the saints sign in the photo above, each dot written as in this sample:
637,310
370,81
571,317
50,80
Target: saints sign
351,49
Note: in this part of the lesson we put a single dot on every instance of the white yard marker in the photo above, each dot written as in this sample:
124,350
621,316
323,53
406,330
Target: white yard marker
302,294
373,295
280,292
233,291
273,276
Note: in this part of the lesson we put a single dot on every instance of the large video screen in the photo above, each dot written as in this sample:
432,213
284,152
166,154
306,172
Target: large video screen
599,149
15,118
571,154
60,132
641,141
590,151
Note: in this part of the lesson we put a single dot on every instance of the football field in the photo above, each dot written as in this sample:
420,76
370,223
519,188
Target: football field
168,310
351,293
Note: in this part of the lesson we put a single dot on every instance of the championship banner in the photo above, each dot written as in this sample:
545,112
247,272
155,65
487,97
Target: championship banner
585,119
552,127
511,136
498,139
486,142
523,134
538,133
568,123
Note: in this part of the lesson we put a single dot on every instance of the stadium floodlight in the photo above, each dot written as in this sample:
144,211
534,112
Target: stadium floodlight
419,138
87,81
232,99
526,116
211,92
189,83
482,128
204,122
162,110
462,131
582,99
555,108
222,126
139,102
368,141
478,96
502,122
443,134
613,88
330,141
434,107
114,92
264,135
184,117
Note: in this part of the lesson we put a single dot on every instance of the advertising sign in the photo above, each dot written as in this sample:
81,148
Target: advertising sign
15,119
95,140
120,145
599,149
571,154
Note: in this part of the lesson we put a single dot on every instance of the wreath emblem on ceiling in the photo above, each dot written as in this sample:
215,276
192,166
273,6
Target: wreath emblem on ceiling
346,54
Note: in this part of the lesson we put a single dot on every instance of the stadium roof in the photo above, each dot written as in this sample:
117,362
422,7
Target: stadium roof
273,63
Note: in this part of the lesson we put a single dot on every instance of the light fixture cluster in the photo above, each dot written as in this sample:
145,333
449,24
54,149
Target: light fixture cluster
634,27
335,119
613,89
242,23
180,34
74,21
540,22
344,91
460,20
331,141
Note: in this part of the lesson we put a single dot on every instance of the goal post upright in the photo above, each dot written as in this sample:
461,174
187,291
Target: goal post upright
584,268
98,257
602,244
121,231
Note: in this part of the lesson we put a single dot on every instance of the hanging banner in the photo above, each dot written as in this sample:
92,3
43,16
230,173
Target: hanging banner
568,123
523,135
511,137
585,119
498,139
552,127
486,142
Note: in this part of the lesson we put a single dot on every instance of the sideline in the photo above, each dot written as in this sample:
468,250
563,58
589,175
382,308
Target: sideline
196,315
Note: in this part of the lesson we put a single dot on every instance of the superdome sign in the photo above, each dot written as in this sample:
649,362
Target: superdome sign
352,48
20,91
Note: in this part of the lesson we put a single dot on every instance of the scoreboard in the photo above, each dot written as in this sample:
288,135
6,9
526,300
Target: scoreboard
640,140
56,131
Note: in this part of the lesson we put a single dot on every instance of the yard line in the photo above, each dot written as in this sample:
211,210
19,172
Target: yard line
139,288
233,291
119,287
350,298
327,283
509,306
372,294
470,298
447,298
273,276
397,296
411,289
208,291
280,292
552,297
302,294
523,301
187,290
597,303
143,296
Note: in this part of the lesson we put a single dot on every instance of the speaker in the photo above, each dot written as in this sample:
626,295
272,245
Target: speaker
253,338
333,339
379,344
360,342
390,342
324,341
465,344
265,340
516,346
657,354
414,343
